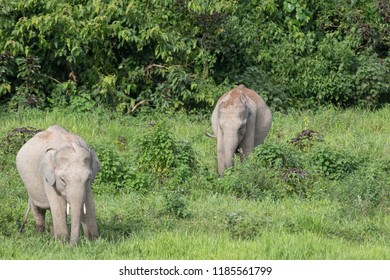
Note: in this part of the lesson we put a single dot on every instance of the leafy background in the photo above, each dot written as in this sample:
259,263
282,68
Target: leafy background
185,53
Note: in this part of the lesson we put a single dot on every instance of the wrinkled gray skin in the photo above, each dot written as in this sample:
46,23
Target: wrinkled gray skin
57,167
241,121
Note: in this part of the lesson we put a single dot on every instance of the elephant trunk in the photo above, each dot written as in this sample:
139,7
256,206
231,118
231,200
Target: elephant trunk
229,159
226,149
77,206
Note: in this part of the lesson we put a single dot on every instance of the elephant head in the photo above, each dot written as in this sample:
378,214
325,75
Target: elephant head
70,171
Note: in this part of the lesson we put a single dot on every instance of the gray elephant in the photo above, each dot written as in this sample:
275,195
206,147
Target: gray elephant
241,121
57,169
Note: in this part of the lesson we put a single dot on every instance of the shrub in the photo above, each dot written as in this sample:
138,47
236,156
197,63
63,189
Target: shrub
274,169
333,163
242,225
165,156
275,155
117,174
176,204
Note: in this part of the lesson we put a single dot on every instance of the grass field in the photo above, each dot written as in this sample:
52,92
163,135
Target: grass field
325,199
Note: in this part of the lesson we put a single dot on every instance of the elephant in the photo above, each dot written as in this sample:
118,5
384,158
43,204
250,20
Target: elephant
57,169
241,121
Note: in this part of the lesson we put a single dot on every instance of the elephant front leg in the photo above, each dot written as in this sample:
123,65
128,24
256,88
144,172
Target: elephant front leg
58,212
88,219
221,160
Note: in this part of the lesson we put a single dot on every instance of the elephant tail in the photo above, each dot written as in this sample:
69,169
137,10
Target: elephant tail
208,134
25,216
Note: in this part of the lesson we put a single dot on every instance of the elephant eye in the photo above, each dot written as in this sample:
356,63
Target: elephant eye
62,180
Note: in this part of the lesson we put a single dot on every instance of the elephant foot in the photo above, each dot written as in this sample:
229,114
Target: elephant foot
40,228
74,242
91,236
62,239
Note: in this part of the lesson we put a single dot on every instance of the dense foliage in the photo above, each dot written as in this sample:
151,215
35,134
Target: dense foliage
185,53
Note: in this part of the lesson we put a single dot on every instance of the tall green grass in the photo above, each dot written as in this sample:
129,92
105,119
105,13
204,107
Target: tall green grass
201,217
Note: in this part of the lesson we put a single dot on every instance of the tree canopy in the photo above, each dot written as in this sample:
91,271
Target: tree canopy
185,53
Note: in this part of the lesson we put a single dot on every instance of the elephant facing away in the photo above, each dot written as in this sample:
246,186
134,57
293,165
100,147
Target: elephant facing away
57,169
241,121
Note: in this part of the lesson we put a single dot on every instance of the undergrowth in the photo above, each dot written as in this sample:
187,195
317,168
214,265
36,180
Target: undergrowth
319,175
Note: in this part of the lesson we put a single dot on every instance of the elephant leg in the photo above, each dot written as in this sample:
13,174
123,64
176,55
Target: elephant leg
221,153
248,142
58,212
39,217
88,219
246,146
221,160
263,126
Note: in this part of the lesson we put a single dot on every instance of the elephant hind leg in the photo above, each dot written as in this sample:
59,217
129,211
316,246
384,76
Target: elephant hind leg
21,229
39,216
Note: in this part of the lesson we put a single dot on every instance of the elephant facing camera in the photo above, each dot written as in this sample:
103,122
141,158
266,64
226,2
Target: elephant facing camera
241,121
58,169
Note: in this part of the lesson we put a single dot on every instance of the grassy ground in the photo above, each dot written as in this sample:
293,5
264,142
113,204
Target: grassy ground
202,217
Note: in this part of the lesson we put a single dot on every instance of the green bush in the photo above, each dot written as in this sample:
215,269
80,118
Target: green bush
333,163
161,154
108,49
176,205
242,225
275,155
117,174
273,169
294,168
314,52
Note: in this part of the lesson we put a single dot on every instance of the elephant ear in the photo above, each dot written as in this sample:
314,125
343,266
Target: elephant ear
95,164
47,167
244,102
243,99
220,107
